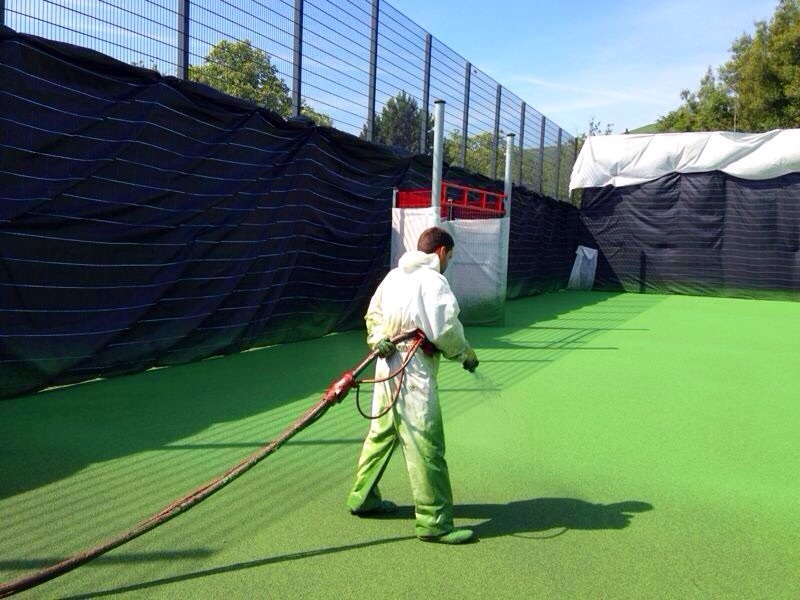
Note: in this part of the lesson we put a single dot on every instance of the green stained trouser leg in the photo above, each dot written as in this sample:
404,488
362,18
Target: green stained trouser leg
378,447
416,423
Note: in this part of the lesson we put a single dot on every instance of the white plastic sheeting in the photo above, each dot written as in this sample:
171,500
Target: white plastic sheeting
621,160
583,270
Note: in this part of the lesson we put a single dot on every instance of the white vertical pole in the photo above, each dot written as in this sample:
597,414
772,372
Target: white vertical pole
509,169
505,222
438,156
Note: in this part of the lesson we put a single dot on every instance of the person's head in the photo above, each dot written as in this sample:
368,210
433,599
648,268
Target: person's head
437,241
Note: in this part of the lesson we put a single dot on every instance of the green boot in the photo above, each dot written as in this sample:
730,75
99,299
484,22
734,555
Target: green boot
455,536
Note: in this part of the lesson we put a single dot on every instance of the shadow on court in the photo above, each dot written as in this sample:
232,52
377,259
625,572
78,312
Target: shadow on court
549,517
51,435
235,567
538,518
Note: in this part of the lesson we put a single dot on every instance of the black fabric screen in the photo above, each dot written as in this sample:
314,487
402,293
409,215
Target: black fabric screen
542,243
148,221
703,234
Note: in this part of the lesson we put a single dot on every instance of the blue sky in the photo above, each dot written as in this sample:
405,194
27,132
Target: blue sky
623,62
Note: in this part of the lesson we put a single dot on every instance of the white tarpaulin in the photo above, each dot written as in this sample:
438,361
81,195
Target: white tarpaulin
583,270
621,160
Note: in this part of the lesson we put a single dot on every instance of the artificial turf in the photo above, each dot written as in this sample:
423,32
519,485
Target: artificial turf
609,446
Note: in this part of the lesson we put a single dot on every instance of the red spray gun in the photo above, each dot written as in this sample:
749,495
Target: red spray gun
339,389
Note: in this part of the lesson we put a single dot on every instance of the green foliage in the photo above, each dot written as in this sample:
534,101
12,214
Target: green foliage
480,148
398,123
711,108
240,69
768,69
479,160
758,89
140,63
452,147
595,128
318,117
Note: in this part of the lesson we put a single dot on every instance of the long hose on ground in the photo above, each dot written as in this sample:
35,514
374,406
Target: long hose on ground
335,393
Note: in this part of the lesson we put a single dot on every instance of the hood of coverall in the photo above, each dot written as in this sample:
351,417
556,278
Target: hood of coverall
414,259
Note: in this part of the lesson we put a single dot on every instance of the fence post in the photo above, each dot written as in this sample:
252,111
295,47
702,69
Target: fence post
509,187
297,62
521,142
373,67
438,157
426,96
465,121
183,37
558,164
540,165
496,134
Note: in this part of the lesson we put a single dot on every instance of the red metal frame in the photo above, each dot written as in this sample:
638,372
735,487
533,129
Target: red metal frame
458,201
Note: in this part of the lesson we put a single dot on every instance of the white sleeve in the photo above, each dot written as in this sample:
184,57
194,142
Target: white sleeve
442,326
374,318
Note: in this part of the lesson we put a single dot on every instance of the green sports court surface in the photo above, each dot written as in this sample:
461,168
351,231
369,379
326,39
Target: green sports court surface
609,446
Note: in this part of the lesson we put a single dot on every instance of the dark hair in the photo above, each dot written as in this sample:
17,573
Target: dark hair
433,238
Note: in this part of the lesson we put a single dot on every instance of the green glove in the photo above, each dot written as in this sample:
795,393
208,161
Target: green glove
385,348
470,361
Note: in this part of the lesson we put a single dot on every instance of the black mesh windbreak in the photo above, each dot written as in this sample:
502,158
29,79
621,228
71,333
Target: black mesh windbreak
542,244
150,221
703,234
146,220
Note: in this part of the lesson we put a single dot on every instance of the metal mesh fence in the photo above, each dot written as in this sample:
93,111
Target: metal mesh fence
509,121
336,61
550,159
358,65
448,76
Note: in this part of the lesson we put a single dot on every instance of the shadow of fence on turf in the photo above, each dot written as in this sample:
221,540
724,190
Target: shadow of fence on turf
539,331
242,566
56,433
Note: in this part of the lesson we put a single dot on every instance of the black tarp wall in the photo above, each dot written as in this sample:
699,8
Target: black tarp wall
703,233
147,221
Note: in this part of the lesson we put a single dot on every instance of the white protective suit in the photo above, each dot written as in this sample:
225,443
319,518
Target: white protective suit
415,295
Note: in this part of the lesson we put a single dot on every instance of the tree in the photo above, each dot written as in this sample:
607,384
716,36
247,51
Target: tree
318,118
595,128
756,90
399,122
480,147
767,71
711,108
240,69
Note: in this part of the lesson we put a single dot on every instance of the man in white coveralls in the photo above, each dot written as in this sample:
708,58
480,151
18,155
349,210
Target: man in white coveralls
415,295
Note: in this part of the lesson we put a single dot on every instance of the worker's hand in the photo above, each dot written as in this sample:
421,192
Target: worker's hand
470,361
385,348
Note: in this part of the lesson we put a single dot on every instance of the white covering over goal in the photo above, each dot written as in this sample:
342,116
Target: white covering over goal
477,272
